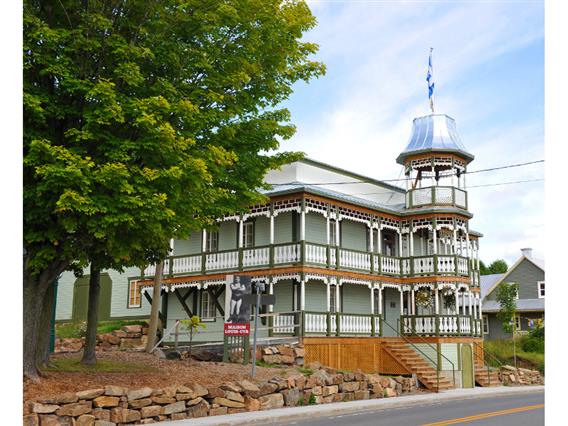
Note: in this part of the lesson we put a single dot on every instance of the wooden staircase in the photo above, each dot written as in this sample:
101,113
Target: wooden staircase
414,362
481,376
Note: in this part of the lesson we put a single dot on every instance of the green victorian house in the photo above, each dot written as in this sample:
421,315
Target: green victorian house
368,275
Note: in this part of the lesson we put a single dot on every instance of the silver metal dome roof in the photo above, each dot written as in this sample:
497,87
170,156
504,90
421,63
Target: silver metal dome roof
434,132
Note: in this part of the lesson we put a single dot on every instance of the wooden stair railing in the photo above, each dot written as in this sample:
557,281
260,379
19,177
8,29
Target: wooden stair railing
484,374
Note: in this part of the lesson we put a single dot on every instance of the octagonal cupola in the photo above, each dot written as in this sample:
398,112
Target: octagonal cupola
435,163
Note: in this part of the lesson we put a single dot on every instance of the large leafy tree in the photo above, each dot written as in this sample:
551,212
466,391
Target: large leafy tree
143,120
498,266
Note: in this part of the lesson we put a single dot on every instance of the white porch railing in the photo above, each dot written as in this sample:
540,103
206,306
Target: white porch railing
284,324
186,264
354,324
316,254
354,260
222,260
462,266
289,253
315,322
256,257
390,265
440,325
424,265
446,264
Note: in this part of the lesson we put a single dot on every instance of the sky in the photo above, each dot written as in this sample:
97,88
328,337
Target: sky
488,62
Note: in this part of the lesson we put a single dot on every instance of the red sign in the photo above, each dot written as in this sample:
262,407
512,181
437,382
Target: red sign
237,329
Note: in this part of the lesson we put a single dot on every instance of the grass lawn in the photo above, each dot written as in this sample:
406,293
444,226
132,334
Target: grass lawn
77,329
73,365
503,351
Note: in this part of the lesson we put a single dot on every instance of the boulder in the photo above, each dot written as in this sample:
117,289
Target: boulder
49,420
330,390
234,396
272,359
267,388
111,338
85,420
135,344
252,404
104,423
287,359
138,393
178,416
274,400
214,392
90,394
44,408
176,407
119,333
349,396
151,411
291,397
163,400
348,377
349,386
139,403
198,410
299,352
285,350
198,390
377,389
106,401
219,411
224,402
159,353
111,390
31,420
124,415
248,387
184,396
101,414
132,328
334,379
74,409
193,402
389,393
361,394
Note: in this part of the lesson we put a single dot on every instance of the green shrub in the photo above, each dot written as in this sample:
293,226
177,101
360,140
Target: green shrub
312,400
532,344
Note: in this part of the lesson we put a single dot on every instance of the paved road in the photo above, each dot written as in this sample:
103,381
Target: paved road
516,410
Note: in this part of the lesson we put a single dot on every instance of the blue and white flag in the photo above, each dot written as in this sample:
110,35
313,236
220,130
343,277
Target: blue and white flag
430,80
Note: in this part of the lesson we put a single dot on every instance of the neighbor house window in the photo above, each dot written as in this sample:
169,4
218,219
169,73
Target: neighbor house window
332,298
518,323
211,241
134,295
207,306
541,289
485,324
248,234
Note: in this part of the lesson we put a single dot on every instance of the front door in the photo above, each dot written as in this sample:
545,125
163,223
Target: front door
467,366
391,312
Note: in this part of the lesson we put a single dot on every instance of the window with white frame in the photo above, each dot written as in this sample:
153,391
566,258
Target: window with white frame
134,295
332,298
207,306
540,289
211,241
485,324
248,234
518,323
332,233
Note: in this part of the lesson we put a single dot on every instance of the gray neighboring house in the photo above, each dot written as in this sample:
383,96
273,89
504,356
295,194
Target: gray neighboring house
528,273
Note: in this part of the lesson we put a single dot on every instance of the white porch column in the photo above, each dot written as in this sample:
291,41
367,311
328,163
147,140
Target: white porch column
327,293
302,295
470,302
401,301
371,245
337,305
372,300
456,294
467,246
327,230
412,303
379,240
436,301
271,229
408,303
302,226
380,289
434,236
479,305
241,233
411,242
455,237
337,236
271,291
203,240
475,306
399,242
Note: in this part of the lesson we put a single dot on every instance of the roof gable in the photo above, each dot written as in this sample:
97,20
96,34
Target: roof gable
503,278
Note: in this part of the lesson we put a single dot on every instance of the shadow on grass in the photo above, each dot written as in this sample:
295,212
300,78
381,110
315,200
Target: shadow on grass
73,365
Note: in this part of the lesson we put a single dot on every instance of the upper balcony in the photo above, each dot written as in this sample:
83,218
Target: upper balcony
318,255
436,196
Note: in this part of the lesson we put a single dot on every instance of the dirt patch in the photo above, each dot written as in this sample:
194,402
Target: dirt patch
164,373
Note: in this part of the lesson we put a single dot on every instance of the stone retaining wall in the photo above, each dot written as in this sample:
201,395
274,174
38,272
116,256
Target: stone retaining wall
129,337
511,376
114,405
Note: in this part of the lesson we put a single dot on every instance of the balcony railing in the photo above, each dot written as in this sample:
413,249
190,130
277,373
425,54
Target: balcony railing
436,196
317,255
310,323
440,325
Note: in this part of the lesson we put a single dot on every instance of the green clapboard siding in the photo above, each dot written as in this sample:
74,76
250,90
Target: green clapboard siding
262,231
526,275
315,296
284,298
316,228
192,245
283,228
228,235
356,299
353,235
427,352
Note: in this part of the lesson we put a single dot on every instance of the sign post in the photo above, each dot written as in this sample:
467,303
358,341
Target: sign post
237,318
259,288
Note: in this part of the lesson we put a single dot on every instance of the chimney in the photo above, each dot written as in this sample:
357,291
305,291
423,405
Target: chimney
527,252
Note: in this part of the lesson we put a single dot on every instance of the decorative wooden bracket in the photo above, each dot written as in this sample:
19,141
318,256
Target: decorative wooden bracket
160,314
182,300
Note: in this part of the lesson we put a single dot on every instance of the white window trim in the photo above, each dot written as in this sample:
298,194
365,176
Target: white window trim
538,289
485,324
212,306
210,237
249,225
131,284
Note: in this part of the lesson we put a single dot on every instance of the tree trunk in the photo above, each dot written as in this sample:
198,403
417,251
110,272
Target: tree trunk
89,354
35,287
44,327
154,315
